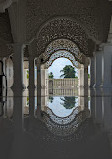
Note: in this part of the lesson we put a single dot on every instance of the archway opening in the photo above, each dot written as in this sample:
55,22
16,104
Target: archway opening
63,87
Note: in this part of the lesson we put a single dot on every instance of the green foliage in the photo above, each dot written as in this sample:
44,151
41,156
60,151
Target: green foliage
51,99
27,100
68,72
27,74
88,75
51,76
69,102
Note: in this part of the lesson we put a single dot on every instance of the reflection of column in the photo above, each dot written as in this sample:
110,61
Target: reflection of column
83,99
83,86
98,106
92,72
9,104
98,69
107,111
18,86
31,85
92,103
107,67
44,100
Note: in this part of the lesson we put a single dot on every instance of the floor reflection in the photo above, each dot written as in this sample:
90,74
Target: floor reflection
62,106
63,126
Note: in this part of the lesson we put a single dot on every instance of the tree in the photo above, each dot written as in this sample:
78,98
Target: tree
51,99
51,76
68,72
69,102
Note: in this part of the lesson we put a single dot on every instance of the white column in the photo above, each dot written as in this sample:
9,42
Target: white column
107,66
18,87
26,66
83,86
18,66
9,72
1,79
4,70
31,86
38,88
86,76
44,80
81,76
92,71
98,69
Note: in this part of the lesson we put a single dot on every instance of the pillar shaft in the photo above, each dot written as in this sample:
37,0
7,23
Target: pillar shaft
31,86
18,87
107,66
38,88
44,81
18,66
98,69
83,76
92,72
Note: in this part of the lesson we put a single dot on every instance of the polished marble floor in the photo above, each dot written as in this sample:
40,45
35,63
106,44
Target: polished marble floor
61,127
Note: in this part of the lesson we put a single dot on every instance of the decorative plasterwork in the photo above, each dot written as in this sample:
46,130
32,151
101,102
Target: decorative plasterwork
62,48
62,28
93,15
63,120
67,129
63,54
4,4
6,50
5,28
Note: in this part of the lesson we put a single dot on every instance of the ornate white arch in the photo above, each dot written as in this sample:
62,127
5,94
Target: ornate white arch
64,54
62,28
65,45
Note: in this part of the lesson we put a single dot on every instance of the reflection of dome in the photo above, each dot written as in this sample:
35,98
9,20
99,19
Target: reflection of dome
65,129
62,120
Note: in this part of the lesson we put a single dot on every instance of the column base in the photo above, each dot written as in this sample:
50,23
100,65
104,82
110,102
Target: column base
31,87
97,86
23,87
107,86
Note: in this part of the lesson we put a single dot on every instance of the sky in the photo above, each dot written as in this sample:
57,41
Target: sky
58,65
58,109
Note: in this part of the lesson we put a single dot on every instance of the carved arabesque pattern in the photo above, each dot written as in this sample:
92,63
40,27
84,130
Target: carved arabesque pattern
66,129
5,28
63,54
62,48
62,120
62,28
93,15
